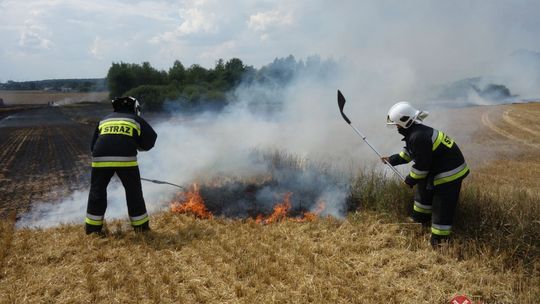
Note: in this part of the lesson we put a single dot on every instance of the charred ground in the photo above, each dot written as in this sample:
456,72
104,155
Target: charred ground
44,152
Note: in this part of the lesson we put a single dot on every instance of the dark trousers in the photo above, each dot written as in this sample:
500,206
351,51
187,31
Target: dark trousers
97,198
438,205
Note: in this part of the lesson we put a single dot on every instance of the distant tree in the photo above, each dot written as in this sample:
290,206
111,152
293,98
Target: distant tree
150,96
196,74
216,75
123,76
177,72
120,79
220,66
146,74
282,70
234,69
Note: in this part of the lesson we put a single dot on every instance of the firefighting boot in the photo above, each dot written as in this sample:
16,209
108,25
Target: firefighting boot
94,229
437,241
142,228
422,218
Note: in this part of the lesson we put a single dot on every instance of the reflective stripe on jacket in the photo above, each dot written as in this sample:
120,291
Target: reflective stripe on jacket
436,156
117,138
114,161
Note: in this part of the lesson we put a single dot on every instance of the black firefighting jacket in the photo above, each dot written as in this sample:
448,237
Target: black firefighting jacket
117,138
436,156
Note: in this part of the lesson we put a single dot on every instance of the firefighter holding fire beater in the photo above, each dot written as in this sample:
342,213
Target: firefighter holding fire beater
114,147
438,170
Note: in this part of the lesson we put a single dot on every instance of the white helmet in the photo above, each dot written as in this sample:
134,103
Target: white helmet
404,115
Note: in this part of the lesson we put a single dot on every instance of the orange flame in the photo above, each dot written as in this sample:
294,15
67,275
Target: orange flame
280,211
311,216
192,203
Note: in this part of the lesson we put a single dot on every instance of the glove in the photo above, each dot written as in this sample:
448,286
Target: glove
409,181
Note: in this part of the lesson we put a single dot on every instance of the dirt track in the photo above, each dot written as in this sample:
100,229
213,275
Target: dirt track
508,141
44,153
515,125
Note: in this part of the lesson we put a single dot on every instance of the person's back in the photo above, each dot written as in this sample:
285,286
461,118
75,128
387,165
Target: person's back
114,147
121,134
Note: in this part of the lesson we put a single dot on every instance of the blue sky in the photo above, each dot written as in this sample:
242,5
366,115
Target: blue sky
43,39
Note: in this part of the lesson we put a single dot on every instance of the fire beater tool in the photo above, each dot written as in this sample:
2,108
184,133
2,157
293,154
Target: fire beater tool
162,182
341,103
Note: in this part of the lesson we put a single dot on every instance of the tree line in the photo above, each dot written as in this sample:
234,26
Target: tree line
58,85
189,87
186,86
195,85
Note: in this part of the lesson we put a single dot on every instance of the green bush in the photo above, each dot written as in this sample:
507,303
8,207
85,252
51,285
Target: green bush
152,97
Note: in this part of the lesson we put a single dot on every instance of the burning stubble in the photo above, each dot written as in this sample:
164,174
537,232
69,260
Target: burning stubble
300,118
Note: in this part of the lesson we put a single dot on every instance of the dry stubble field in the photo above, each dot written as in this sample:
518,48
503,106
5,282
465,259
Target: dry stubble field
44,152
15,98
368,257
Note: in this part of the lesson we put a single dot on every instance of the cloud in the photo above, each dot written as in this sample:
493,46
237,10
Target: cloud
263,20
197,21
97,48
33,37
440,41
196,18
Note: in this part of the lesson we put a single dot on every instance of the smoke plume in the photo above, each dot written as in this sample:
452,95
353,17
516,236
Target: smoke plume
380,53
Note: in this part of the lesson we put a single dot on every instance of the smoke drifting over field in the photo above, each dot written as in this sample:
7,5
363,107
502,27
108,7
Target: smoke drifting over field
382,53
299,117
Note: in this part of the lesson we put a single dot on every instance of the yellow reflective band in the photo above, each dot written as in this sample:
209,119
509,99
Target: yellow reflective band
110,127
404,156
447,141
421,210
416,176
93,222
140,222
451,177
114,164
437,142
440,232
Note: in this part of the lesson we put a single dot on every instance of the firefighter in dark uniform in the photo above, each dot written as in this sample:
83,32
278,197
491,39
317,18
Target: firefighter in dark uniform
438,170
114,147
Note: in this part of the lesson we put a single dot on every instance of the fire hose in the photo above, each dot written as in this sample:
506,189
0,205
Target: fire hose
341,104
155,181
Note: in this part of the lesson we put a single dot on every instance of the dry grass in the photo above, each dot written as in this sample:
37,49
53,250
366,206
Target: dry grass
362,259
372,256
44,97
512,139
6,237
500,204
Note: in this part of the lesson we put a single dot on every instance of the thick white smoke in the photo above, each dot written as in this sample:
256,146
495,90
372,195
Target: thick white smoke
304,122
191,148
386,52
